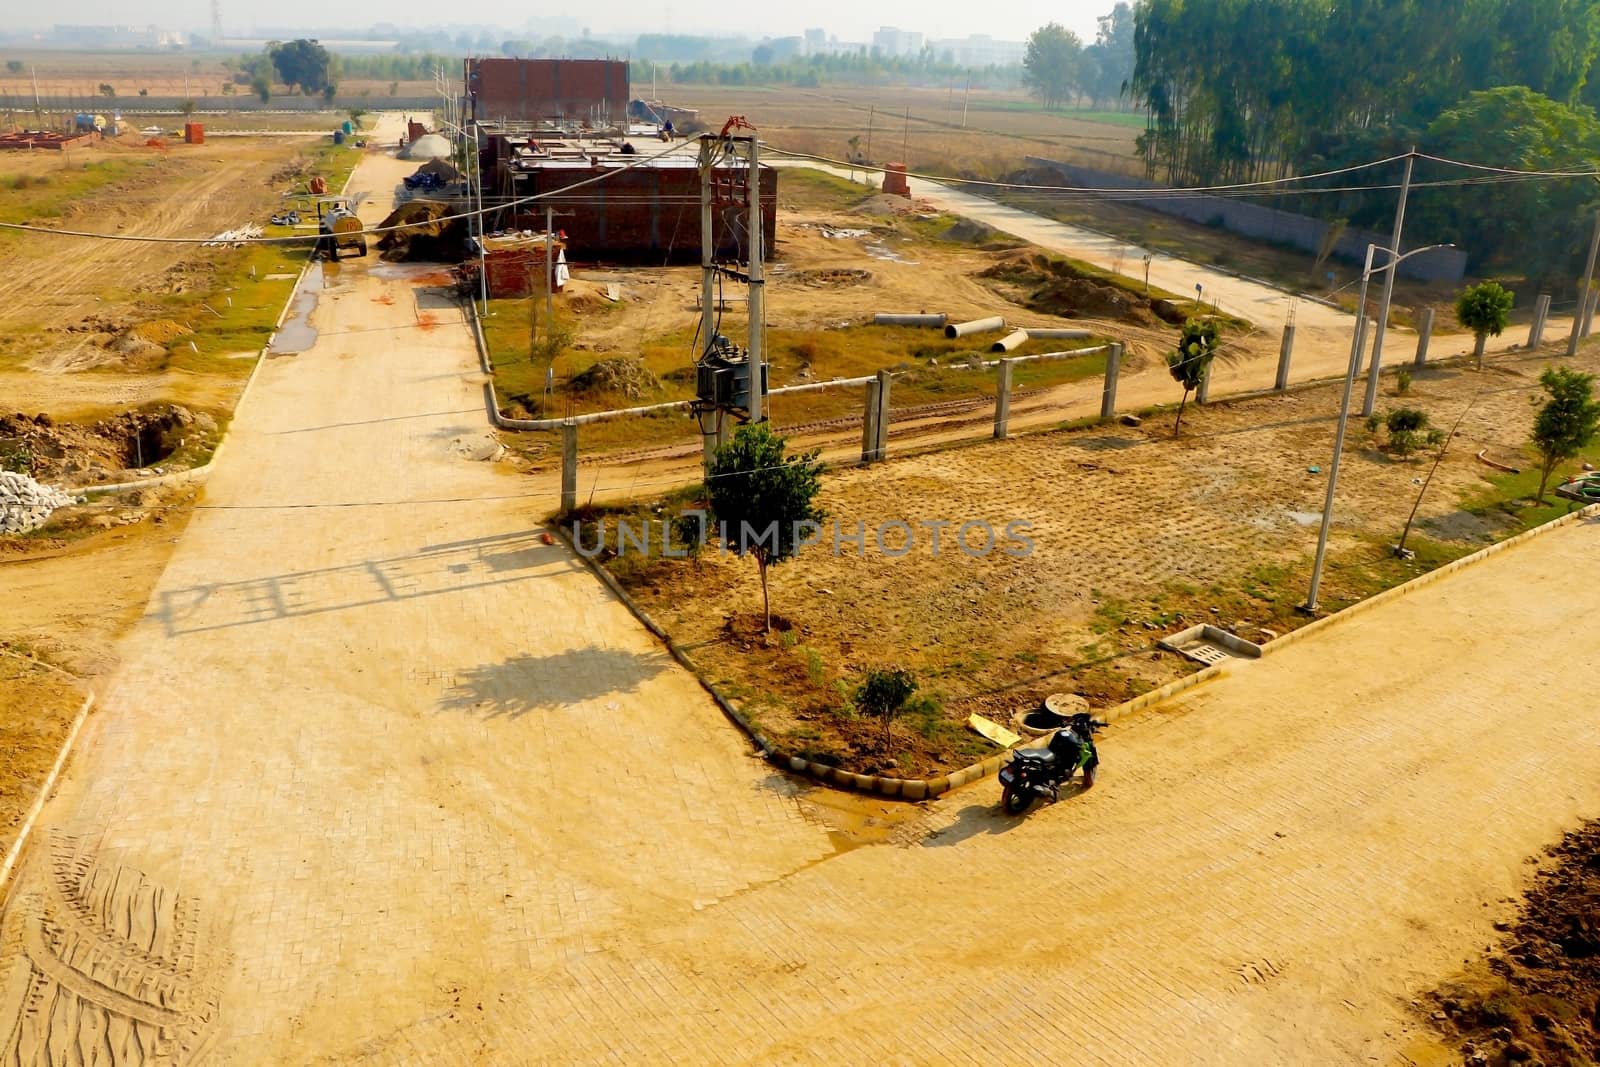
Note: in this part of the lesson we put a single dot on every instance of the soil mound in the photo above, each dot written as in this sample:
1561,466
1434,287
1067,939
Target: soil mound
47,450
160,331
429,231
1055,287
971,231
619,376
1541,1000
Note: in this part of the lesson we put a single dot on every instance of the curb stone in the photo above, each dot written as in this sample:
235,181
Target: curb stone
898,788
915,789
1421,580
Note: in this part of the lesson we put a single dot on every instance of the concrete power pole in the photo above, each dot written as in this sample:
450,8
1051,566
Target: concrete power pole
1583,290
1382,322
758,286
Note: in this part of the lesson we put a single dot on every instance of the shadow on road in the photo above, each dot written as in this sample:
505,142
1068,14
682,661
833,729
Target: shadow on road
975,819
446,568
533,683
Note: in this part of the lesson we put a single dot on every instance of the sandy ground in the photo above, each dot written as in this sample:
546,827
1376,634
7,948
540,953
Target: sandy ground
1124,519
75,289
383,777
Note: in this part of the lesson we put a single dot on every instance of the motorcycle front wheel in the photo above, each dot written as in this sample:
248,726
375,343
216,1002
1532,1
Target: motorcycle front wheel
1016,801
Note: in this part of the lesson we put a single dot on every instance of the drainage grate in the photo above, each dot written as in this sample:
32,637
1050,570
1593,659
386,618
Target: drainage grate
1207,654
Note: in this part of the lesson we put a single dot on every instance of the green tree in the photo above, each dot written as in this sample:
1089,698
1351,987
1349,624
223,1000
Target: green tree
1050,66
261,87
303,64
764,499
14,66
1536,228
356,115
1485,309
1567,422
884,693
187,107
1108,63
1190,362
108,91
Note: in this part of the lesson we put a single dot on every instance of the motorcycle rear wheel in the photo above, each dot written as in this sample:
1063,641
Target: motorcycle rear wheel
1016,801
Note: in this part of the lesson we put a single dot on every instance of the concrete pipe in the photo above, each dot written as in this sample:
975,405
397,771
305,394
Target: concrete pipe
936,321
1010,341
1053,334
963,329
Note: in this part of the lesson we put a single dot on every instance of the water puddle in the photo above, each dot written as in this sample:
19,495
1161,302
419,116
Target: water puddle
884,252
297,334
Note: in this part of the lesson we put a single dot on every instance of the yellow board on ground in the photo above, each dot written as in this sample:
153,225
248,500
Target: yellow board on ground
993,731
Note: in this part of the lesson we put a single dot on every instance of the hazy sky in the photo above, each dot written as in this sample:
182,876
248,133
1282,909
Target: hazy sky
848,19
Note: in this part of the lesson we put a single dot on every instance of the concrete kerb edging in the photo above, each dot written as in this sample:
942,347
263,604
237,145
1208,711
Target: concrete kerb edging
901,788
8,865
928,788
1424,580
678,654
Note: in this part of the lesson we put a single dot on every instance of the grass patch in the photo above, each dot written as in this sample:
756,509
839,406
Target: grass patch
37,195
805,189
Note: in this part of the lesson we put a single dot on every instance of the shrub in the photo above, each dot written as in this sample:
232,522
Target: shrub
884,693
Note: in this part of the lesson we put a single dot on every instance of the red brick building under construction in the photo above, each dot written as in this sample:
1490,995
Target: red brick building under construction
547,90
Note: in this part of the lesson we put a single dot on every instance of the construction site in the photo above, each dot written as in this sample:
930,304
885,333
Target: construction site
345,714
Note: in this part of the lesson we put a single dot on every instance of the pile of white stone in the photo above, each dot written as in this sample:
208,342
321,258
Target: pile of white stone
25,504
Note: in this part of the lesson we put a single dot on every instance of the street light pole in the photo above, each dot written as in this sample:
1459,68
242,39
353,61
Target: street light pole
1382,321
1357,344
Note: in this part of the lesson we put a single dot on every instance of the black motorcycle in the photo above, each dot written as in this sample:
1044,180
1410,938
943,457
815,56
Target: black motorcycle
1041,772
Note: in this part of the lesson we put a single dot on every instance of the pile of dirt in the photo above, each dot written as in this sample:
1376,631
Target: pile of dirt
829,278
1540,1001
971,231
160,331
618,376
47,450
884,205
1055,287
430,231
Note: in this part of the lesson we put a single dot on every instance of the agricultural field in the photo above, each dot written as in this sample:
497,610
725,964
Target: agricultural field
80,74
925,126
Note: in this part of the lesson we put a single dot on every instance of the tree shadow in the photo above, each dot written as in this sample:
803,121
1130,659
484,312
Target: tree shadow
525,684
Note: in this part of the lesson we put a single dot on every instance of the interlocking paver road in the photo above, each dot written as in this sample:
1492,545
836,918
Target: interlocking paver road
385,778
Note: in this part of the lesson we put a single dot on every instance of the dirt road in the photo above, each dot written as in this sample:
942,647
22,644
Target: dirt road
384,778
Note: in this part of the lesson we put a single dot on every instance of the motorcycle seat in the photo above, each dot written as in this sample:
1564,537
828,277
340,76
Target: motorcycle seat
1038,755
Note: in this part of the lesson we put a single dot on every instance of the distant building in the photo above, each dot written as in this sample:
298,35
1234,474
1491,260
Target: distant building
889,41
816,42
981,50
547,90
783,48
117,37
